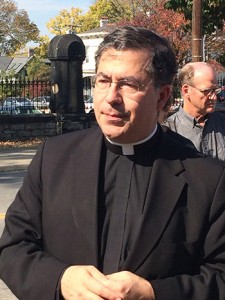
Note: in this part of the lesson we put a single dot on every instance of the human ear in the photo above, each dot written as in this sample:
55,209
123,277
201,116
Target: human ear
185,91
164,95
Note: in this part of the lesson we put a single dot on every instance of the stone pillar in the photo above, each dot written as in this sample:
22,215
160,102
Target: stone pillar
67,53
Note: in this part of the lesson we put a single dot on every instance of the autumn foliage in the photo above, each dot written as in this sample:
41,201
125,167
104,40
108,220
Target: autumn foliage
169,24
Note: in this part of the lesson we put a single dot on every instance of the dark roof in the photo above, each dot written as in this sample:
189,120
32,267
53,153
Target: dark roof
16,64
5,62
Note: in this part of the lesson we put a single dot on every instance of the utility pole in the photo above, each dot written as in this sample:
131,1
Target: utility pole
197,44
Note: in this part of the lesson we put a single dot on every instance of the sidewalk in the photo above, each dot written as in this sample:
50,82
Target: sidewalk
16,159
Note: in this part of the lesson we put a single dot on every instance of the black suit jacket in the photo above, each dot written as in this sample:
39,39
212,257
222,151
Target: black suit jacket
53,221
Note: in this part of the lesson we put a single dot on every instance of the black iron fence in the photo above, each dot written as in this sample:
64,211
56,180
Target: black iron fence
24,96
221,81
30,96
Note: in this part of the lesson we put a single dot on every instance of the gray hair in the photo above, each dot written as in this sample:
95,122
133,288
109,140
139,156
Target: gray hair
187,73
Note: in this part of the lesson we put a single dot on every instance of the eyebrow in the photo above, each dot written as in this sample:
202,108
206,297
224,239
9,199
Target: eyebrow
102,74
132,78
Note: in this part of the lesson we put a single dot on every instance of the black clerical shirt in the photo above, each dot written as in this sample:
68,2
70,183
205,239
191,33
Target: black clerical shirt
124,184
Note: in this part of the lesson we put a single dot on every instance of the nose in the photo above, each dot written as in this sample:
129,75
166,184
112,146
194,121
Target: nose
113,95
213,96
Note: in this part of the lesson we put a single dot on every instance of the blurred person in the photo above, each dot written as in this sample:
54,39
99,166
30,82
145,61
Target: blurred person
120,210
197,119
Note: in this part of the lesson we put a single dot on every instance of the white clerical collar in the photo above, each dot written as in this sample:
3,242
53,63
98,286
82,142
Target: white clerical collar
128,149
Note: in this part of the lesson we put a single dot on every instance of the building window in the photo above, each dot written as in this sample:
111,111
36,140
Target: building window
87,54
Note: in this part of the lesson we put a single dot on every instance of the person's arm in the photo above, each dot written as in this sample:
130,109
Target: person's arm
29,272
209,283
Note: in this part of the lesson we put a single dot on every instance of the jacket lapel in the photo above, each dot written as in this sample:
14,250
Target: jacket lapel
84,193
163,194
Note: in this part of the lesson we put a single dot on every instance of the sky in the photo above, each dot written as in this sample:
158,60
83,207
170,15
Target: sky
41,11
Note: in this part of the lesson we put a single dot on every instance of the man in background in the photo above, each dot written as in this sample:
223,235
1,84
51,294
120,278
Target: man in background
197,119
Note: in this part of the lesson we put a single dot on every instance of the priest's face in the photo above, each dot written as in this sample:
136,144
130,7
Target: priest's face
126,103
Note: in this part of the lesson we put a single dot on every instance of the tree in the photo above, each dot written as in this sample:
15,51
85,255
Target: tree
112,9
16,30
221,59
173,24
214,51
168,23
74,20
42,50
212,27
213,12
66,20
37,69
135,7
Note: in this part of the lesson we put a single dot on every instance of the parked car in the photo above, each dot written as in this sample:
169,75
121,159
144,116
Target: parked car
20,111
88,104
12,103
41,102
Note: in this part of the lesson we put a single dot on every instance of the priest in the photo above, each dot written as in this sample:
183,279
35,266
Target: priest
122,210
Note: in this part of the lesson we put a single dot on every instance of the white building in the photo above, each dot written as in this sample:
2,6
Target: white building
91,39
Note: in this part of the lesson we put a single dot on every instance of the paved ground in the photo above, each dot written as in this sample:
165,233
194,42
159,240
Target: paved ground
14,159
5,293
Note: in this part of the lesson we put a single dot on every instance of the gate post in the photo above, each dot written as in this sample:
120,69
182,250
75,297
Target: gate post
67,53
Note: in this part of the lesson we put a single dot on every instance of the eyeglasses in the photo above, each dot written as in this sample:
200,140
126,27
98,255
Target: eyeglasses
208,92
125,86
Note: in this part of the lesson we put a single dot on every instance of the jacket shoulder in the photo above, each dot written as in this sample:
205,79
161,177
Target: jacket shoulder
74,137
177,145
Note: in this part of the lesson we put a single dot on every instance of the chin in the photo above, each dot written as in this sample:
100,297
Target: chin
210,110
112,131
117,136
114,136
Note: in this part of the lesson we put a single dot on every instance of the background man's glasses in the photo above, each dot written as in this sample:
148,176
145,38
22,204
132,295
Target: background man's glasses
125,86
208,92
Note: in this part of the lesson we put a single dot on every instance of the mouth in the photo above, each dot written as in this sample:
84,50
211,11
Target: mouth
116,116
